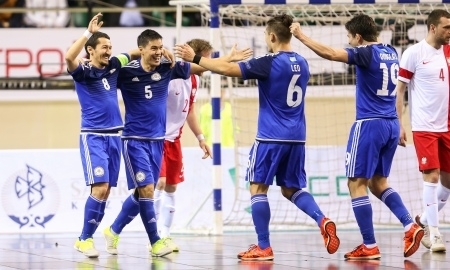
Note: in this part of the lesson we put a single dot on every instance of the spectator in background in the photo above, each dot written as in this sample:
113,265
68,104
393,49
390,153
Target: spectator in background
46,19
11,20
226,120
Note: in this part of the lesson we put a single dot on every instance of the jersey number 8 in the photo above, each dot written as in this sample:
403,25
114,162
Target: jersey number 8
388,74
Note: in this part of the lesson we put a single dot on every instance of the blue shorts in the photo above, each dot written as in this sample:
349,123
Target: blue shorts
100,156
283,161
371,147
142,161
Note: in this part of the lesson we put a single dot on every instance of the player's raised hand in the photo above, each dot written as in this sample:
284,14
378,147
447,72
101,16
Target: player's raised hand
185,52
94,24
169,55
236,55
402,140
205,147
296,30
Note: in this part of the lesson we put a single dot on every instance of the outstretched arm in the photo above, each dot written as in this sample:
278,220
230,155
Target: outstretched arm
195,127
74,50
320,49
220,65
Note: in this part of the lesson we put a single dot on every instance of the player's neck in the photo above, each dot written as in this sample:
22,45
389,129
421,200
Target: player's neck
97,65
432,42
282,47
146,66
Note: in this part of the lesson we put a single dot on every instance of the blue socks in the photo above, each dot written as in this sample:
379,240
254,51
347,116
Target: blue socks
363,214
305,202
92,211
130,209
147,211
261,219
393,201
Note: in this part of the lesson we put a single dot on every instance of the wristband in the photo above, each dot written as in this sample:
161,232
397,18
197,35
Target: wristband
196,59
87,34
200,137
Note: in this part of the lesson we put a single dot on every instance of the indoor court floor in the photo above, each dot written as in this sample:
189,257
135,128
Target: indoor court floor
293,250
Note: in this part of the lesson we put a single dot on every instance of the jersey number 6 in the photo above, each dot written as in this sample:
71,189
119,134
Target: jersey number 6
291,99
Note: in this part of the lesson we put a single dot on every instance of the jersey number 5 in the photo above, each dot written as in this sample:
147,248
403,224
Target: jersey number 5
294,93
148,92
388,74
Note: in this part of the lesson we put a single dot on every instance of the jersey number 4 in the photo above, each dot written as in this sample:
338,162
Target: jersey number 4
389,74
294,93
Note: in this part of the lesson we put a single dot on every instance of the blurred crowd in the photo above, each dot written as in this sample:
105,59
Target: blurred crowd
62,18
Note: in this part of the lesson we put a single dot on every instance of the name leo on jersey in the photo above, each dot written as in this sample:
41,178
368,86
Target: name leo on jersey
295,68
388,56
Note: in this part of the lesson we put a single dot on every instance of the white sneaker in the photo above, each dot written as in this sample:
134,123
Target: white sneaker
437,244
111,241
426,241
171,244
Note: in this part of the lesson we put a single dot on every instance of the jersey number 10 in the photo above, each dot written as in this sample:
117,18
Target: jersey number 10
388,74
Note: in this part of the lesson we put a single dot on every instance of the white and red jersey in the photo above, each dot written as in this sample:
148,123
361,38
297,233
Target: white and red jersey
179,101
426,71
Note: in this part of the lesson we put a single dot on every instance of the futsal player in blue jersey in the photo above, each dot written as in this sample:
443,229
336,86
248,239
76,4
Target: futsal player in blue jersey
279,149
100,146
375,134
144,86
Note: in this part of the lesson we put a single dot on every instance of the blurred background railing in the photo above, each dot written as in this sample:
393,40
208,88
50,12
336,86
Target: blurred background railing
76,13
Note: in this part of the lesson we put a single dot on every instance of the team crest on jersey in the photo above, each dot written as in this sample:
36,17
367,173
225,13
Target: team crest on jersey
140,176
424,160
156,76
99,171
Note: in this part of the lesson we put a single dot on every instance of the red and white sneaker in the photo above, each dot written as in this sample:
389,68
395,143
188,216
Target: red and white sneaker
412,240
362,252
255,253
328,231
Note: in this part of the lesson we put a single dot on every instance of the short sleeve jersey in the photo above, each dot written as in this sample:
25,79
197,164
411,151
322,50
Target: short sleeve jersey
376,78
426,71
97,93
182,94
282,80
145,97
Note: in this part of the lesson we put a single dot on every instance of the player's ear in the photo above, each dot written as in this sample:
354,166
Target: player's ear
273,38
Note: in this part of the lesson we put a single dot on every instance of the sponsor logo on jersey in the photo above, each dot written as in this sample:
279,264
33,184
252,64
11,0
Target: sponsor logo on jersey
135,79
156,76
30,198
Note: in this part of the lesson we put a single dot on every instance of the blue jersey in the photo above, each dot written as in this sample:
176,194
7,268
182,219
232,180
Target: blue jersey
376,76
97,93
282,79
145,97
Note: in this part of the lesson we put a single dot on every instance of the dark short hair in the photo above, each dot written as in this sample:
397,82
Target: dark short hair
363,25
146,36
280,26
93,41
435,16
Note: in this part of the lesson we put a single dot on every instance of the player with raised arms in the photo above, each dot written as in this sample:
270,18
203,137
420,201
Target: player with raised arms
279,148
374,136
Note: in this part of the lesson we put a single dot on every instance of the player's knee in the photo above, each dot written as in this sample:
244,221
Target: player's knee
431,176
100,191
146,191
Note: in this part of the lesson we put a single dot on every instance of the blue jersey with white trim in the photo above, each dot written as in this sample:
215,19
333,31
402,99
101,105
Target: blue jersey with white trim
145,97
282,80
97,93
376,77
